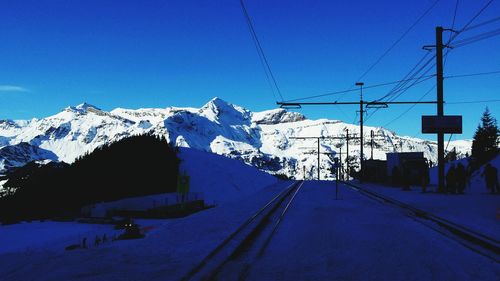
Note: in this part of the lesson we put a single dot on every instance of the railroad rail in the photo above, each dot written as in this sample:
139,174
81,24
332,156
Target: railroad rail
477,242
248,242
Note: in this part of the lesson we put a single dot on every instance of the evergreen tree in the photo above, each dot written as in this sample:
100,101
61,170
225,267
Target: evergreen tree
485,142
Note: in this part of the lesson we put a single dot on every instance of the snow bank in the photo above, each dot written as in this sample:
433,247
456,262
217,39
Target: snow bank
219,178
47,235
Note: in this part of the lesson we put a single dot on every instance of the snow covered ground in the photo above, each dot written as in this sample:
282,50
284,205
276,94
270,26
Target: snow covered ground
169,250
40,236
356,238
320,238
478,211
221,179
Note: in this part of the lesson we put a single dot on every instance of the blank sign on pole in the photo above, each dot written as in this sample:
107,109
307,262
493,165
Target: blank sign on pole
451,124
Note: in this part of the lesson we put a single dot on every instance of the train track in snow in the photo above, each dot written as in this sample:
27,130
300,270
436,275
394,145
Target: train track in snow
477,242
233,257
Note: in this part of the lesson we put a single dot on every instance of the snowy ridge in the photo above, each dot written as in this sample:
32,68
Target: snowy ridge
260,139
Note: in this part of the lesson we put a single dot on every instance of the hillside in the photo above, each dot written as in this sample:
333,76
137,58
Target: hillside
135,166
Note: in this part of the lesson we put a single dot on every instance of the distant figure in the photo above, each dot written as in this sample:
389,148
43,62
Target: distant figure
97,241
84,242
461,178
396,176
104,238
451,179
490,175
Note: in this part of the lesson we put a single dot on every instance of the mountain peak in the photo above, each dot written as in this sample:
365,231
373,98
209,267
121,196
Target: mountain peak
218,102
85,106
82,108
218,108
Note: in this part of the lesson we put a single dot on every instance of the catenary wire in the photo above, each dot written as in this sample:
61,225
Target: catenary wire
259,48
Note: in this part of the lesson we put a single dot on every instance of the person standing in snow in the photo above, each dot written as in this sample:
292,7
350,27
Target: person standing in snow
451,179
490,175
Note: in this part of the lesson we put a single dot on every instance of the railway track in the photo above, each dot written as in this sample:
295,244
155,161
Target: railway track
232,258
477,242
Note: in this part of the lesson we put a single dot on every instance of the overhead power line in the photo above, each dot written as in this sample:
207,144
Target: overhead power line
452,28
401,92
262,56
451,39
410,108
473,74
467,25
477,38
398,40
393,45
412,74
402,88
473,101
483,23
355,90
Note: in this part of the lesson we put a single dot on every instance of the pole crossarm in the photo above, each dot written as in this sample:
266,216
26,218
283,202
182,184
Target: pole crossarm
321,138
299,104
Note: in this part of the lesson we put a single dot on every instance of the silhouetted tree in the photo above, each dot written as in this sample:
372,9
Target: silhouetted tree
135,166
485,142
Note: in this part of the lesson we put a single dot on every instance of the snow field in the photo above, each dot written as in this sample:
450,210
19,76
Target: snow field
356,238
168,252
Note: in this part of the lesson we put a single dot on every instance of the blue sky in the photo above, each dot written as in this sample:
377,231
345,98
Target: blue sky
161,53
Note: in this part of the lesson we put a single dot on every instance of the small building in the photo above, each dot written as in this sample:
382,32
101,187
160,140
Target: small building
412,164
142,203
374,170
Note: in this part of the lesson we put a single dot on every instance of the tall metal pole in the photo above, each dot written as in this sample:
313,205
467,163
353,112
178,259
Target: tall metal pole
361,129
440,107
371,144
318,157
340,160
347,153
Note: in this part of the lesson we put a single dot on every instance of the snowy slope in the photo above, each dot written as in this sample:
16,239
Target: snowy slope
220,179
260,139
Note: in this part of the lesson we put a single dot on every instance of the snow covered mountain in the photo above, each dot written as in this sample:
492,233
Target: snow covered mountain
260,139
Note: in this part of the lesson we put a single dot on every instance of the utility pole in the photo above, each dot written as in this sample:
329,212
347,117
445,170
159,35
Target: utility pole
319,147
318,138
440,102
347,152
371,144
361,113
318,159
340,160
440,107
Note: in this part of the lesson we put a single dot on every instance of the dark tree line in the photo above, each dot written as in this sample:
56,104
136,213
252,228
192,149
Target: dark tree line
485,141
135,166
